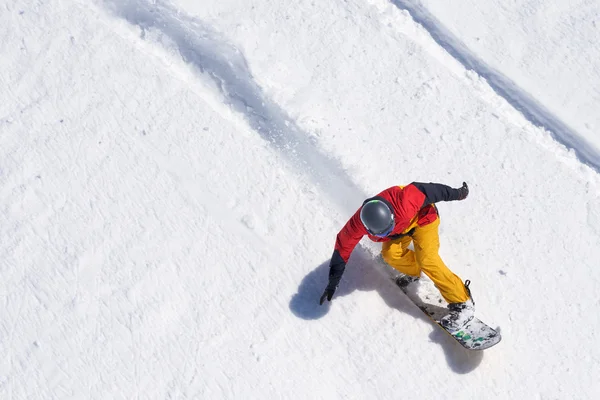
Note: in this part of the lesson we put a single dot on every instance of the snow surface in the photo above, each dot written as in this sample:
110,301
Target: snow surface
173,175
542,56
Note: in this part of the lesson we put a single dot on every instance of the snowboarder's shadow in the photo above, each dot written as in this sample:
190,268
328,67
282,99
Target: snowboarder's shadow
363,274
359,275
461,360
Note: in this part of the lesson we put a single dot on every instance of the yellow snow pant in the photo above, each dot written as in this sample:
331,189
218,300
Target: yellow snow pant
425,258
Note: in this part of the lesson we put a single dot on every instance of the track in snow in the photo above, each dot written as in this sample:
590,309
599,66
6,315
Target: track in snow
531,109
214,57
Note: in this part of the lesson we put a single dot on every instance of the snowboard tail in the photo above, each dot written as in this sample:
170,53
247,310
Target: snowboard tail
474,335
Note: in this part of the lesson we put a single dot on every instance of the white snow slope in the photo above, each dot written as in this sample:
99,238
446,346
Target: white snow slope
542,56
173,175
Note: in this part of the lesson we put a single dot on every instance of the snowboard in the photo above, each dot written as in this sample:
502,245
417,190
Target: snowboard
475,335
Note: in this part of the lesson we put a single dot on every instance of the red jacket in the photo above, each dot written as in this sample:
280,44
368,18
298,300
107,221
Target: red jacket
412,206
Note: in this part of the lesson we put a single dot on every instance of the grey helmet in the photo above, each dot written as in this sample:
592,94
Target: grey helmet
377,217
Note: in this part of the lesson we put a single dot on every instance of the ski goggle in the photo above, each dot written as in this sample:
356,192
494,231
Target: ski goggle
384,233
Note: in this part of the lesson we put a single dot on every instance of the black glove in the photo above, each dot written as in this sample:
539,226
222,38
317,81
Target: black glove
327,294
463,191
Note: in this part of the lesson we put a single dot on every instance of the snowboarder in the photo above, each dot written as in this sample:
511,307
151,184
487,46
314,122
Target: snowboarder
398,216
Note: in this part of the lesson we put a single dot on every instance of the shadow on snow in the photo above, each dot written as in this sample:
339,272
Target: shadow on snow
365,274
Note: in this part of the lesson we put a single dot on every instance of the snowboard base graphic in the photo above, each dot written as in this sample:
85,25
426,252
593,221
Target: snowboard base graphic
475,335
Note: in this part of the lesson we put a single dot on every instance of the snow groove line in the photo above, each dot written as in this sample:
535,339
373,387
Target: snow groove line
521,100
215,58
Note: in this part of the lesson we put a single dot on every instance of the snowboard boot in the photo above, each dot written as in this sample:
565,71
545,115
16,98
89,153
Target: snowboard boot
404,280
460,313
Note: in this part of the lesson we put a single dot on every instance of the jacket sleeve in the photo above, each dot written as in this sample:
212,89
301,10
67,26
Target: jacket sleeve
345,242
336,269
435,192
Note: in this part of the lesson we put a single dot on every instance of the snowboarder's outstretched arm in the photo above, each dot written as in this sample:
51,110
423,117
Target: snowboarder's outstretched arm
345,242
435,192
